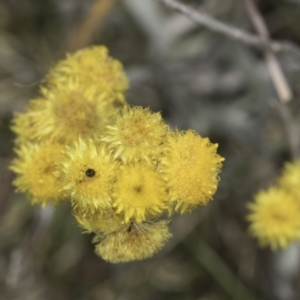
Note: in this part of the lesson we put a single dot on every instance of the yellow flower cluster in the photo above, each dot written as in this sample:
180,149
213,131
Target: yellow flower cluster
275,214
123,169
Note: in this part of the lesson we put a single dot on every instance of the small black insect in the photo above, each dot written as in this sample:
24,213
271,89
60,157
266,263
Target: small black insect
90,173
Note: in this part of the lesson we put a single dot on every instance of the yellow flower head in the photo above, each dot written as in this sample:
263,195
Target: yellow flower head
24,124
139,192
190,167
87,173
136,242
69,112
106,221
91,67
80,95
136,135
274,218
34,167
290,179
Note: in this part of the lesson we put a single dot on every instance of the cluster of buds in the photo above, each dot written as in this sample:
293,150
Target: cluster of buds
123,169
275,213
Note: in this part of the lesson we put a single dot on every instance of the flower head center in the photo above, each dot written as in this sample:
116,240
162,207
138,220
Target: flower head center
138,189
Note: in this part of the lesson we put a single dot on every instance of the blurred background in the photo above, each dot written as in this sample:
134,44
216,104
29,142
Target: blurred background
198,79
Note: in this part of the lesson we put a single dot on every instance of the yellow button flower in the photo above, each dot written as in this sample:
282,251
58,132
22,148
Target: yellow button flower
137,134
136,242
72,111
78,96
100,221
87,173
24,125
274,218
34,166
190,167
91,67
139,192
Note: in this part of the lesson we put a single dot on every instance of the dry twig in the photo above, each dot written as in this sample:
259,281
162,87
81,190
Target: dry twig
280,83
231,31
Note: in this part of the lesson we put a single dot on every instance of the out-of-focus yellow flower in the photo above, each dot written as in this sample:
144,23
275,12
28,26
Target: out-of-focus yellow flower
290,179
136,135
106,221
65,114
190,167
79,95
34,167
136,242
139,192
87,173
91,67
24,124
274,218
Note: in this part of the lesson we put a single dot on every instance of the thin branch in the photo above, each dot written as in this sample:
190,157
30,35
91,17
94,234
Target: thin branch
93,21
231,31
280,82
283,90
